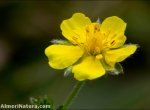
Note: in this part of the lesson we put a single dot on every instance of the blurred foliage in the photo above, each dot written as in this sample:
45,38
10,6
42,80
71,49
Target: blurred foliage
42,101
26,29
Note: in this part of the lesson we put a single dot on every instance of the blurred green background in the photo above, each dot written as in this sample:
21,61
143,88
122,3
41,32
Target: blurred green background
26,29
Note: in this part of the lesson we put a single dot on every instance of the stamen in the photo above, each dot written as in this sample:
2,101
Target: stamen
87,30
74,38
96,28
99,56
97,49
113,42
80,44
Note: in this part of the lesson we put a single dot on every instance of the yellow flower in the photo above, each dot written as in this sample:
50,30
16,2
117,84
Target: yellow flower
94,48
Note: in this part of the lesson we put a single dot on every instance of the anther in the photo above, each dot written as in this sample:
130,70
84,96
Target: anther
112,42
74,38
97,49
99,56
96,28
87,30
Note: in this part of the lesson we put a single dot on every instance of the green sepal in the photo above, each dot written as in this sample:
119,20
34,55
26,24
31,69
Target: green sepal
68,71
117,70
98,20
60,41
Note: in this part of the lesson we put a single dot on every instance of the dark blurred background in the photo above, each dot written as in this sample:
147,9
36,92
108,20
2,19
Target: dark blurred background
26,29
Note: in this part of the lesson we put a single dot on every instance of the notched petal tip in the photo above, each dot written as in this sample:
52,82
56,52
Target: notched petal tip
71,26
76,21
114,24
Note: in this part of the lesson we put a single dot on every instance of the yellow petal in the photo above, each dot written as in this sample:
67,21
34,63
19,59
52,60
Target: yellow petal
114,24
62,56
113,29
118,55
89,68
74,28
115,40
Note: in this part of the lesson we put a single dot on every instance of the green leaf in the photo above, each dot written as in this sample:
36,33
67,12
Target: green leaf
42,101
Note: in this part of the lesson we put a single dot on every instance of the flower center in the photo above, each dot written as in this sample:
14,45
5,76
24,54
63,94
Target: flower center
94,40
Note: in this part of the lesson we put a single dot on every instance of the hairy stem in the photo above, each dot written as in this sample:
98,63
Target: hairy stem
73,94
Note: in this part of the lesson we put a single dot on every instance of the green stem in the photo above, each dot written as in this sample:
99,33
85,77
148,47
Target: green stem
73,94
